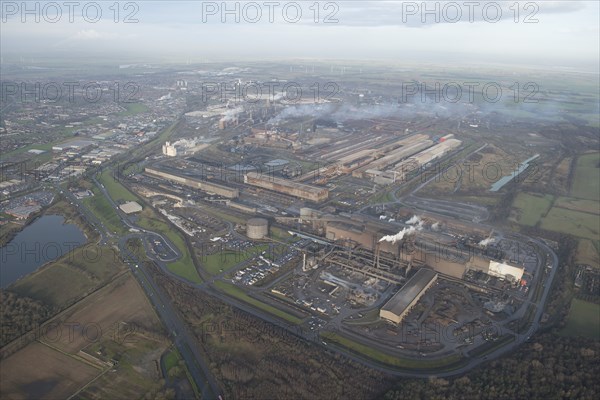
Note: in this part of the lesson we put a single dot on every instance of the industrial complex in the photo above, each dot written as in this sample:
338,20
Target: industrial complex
313,216
343,258
303,191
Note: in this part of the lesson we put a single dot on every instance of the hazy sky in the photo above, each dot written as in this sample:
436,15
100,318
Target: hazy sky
566,32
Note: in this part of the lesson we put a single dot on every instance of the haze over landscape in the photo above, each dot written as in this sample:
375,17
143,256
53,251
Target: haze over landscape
555,33
300,200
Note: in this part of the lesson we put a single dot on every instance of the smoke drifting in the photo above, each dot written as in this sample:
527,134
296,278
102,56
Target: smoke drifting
345,112
400,235
538,105
413,220
188,142
485,242
230,115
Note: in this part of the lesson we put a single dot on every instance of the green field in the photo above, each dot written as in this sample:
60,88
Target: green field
282,235
133,109
104,211
586,183
185,269
74,274
572,222
531,207
44,146
171,359
587,253
388,358
238,293
224,260
117,192
385,196
49,285
583,320
570,203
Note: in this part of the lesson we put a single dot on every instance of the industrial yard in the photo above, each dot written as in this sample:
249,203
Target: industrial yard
385,277
388,233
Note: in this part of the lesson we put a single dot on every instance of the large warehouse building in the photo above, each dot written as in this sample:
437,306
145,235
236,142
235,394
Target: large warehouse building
424,157
208,187
296,189
401,303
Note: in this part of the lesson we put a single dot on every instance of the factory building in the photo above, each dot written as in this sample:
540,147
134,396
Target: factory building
455,262
338,230
424,157
366,235
405,160
445,259
442,260
169,150
296,189
505,270
496,268
407,297
392,158
208,187
257,228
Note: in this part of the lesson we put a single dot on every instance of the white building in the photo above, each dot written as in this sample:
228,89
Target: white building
504,270
169,150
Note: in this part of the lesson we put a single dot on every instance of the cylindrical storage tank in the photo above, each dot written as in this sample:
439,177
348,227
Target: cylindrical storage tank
257,228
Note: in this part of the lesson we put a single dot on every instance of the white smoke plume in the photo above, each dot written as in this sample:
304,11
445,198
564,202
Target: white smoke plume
413,220
230,115
435,227
188,142
400,235
546,107
485,242
338,112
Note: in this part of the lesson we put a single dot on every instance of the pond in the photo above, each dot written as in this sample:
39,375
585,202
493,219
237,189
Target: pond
44,240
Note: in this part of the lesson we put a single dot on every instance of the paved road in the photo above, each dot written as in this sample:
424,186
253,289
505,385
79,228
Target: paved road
182,338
